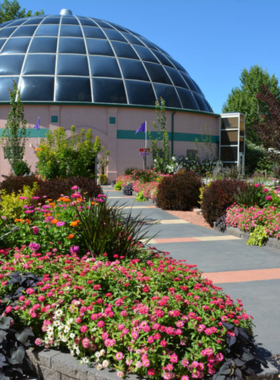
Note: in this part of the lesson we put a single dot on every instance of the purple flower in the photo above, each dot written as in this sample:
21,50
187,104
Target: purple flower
74,188
60,224
74,249
34,246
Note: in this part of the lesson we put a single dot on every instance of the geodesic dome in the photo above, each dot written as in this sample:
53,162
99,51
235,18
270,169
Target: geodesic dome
74,59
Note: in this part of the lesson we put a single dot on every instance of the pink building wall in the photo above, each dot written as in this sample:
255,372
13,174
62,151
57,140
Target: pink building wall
123,152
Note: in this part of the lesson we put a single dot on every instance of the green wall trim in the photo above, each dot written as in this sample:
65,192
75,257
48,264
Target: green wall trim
112,120
32,132
178,136
112,105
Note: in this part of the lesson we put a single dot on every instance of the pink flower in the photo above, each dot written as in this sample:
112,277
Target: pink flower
41,298
185,362
150,339
84,329
86,342
120,374
38,342
185,377
268,198
119,355
257,184
8,309
74,187
163,343
100,324
78,320
151,372
138,364
174,358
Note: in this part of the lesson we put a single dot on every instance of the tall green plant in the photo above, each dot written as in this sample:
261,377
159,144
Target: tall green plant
161,156
58,157
14,135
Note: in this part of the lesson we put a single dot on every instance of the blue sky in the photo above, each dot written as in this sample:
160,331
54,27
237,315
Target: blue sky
212,39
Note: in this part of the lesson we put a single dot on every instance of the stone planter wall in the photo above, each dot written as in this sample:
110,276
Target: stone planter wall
55,365
271,242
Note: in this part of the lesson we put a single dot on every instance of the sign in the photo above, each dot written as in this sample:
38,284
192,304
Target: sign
144,151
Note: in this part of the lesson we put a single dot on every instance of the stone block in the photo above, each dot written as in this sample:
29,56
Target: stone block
67,365
41,356
45,373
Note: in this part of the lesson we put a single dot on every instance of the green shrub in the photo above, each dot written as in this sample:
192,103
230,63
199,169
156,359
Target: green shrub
118,186
55,187
102,179
11,205
258,236
140,197
218,197
179,192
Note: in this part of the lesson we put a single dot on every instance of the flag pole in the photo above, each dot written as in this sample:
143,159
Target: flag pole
146,146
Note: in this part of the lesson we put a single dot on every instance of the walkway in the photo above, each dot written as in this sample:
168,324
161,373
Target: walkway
245,272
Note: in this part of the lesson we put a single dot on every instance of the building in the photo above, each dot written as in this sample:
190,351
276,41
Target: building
91,73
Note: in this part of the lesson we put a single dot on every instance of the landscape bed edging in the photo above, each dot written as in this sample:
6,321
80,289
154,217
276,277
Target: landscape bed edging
55,365
271,242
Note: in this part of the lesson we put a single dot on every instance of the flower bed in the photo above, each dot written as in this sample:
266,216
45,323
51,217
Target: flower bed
155,318
137,311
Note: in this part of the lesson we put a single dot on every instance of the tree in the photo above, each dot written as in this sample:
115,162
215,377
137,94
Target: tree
161,156
14,135
243,99
268,128
11,10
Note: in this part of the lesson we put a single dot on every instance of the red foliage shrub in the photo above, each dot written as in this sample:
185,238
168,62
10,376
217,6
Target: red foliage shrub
55,187
218,197
15,184
179,192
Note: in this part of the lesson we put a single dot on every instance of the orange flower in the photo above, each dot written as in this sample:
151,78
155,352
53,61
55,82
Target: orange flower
60,199
54,221
93,203
17,220
47,214
79,200
49,200
27,221
52,204
74,223
37,149
66,199
70,236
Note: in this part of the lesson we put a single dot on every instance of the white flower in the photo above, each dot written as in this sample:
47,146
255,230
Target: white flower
99,367
64,338
72,335
84,361
56,323
75,346
49,329
105,363
50,335
97,354
69,321
77,351
93,329
102,352
58,313
72,352
66,330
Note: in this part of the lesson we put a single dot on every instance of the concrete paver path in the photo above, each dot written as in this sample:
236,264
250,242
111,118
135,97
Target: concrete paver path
244,272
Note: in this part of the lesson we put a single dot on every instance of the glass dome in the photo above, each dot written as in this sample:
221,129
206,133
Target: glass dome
74,59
